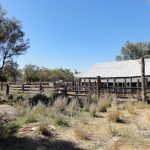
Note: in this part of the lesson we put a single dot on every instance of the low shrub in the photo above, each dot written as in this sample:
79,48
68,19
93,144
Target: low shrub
10,96
60,121
19,97
74,104
60,104
40,108
39,98
31,118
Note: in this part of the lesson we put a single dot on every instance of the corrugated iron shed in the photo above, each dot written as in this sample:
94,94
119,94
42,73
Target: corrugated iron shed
129,68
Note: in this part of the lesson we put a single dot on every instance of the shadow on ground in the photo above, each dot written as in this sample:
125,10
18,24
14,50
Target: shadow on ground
14,143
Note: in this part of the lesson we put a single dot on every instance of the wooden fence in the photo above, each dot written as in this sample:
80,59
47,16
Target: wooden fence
82,87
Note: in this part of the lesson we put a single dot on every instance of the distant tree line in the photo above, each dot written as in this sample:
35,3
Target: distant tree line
13,44
34,73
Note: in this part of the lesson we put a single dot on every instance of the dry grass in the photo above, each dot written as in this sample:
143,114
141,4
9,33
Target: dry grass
112,130
74,124
80,133
60,104
43,129
113,114
92,111
104,105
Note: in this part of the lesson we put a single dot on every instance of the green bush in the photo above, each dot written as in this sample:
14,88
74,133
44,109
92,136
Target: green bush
31,119
39,98
19,98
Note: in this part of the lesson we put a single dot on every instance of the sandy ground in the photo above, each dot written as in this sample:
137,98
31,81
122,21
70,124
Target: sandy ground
132,134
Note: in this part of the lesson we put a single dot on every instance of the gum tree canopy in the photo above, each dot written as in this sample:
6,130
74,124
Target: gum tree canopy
12,42
132,51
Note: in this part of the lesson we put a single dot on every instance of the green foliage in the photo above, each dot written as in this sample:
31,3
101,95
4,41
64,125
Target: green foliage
10,96
12,42
132,51
30,73
19,97
11,71
39,98
60,121
31,118
33,73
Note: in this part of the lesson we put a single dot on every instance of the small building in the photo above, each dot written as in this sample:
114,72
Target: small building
119,73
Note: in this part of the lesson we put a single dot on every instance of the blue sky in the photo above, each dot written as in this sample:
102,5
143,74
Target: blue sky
76,34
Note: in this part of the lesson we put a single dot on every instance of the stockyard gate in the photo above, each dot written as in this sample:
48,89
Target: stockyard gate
123,78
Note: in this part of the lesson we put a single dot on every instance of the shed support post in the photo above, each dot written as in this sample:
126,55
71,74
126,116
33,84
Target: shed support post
138,86
98,86
130,85
89,86
143,94
114,85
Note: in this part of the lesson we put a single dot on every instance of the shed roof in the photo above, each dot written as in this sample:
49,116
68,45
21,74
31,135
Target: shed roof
127,68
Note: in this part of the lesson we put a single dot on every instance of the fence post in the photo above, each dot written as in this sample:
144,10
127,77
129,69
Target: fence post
138,85
114,85
143,94
130,85
98,86
7,89
65,90
41,88
22,87
1,86
89,86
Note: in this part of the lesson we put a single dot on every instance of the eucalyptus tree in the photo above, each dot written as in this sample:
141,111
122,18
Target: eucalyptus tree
132,51
12,39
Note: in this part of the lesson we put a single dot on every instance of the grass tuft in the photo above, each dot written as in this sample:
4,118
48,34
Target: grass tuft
113,115
80,133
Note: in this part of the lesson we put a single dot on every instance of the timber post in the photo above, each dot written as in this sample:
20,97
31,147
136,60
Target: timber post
138,82
89,86
1,86
7,89
114,85
98,86
40,88
22,87
143,93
